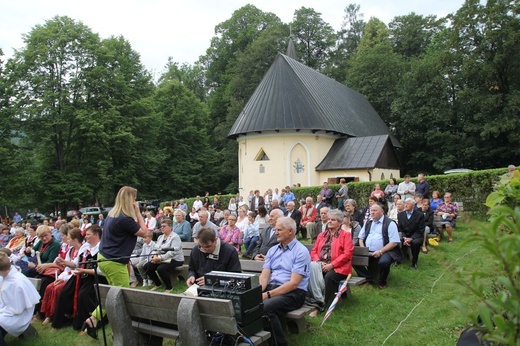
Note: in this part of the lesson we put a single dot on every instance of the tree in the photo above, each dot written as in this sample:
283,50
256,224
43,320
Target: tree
348,40
411,34
235,64
82,103
187,159
375,69
316,38
192,76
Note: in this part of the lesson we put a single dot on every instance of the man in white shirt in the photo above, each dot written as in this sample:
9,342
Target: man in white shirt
380,235
407,188
197,204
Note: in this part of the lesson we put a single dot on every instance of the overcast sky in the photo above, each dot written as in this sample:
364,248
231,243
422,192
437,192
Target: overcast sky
158,29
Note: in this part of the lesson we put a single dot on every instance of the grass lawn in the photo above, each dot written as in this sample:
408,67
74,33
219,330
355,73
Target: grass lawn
373,316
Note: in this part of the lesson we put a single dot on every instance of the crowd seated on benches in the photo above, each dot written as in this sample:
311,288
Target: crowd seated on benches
219,242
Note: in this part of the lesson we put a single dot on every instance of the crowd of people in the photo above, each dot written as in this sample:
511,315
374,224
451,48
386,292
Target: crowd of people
130,243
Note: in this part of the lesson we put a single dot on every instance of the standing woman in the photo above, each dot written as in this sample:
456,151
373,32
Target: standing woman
122,227
390,192
342,194
164,262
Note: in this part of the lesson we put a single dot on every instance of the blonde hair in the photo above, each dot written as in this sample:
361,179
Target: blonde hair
41,230
124,203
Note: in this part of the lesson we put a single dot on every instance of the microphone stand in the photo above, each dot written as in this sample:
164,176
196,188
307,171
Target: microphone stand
94,264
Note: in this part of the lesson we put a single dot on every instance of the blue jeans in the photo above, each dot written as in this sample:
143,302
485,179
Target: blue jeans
250,244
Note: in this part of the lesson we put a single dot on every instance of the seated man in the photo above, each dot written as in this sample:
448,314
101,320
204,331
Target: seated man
293,214
285,276
267,237
19,297
381,237
411,224
203,222
448,211
309,214
316,228
211,254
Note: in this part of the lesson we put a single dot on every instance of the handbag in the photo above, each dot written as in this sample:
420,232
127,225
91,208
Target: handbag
51,271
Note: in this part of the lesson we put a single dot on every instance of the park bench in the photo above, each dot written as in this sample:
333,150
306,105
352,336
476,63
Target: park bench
295,320
140,317
36,282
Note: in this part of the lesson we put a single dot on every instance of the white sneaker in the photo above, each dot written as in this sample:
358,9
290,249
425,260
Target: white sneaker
150,283
145,283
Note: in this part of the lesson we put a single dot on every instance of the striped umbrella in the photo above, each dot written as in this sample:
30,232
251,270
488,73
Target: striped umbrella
342,290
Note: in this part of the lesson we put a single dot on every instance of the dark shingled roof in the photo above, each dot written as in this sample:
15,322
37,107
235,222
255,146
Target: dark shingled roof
292,96
360,152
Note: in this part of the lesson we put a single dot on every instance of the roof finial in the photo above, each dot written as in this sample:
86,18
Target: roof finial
291,49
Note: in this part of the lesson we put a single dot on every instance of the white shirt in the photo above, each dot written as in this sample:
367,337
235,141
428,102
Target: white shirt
374,241
17,300
197,204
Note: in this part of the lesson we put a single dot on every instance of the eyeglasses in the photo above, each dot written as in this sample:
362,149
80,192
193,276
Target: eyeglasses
332,219
163,226
232,219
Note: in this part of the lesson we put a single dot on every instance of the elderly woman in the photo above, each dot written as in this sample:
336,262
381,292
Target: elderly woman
181,226
70,262
17,243
164,262
399,207
390,192
48,247
231,234
331,257
351,226
351,207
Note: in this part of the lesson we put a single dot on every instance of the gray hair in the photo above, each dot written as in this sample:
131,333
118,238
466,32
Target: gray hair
352,202
287,223
278,211
337,213
179,211
410,200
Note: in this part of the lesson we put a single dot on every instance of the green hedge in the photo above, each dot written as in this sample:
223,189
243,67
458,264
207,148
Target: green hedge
471,188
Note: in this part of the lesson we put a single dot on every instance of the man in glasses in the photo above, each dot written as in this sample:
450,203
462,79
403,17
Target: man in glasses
211,254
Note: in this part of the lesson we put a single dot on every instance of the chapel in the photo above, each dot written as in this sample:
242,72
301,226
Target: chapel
300,126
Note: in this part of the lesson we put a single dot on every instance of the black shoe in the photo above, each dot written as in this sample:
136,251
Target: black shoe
415,266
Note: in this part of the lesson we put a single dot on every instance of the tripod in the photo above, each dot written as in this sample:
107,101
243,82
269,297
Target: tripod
93,264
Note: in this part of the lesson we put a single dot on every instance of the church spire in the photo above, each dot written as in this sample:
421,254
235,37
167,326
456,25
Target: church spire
291,50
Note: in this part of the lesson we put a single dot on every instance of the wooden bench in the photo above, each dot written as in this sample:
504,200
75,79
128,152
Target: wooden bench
36,282
295,320
140,317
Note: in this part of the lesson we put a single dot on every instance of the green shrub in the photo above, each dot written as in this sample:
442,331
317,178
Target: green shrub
500,307
471,188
